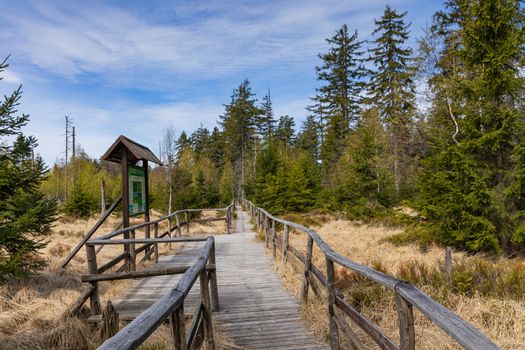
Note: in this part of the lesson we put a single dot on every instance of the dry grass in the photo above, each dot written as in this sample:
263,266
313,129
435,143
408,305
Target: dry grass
32,312
501,318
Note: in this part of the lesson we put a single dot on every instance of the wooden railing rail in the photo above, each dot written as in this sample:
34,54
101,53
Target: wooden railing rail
407,295
171,307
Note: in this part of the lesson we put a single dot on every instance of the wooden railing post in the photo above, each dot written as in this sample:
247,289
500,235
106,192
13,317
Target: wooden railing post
285,245
307,268
209,343
228,220
274,237
213,282
93,269
187,221
407,335
132,254
267,230
156,246
178,329
147,234
178,224
330,285
169,231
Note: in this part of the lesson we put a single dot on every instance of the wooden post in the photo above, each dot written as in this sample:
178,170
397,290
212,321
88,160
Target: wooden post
228,220
178,329
125,197
102,197
448,263
187,221
285,246
213,282
93,269
132,254
156,246
209,344
307,267
267,230
274,243
110,322
330,285
178,224
407,335
146,212
169,230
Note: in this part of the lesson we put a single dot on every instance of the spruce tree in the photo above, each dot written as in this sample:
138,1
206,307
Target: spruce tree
25,213
366,187
338,102
471,186
285,131
239,124
392,90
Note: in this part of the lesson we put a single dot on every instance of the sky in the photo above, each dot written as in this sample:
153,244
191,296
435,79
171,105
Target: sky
133,67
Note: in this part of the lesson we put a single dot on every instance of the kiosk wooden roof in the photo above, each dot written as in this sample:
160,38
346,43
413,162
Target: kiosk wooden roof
136,151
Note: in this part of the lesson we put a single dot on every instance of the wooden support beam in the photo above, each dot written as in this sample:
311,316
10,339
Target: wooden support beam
178,328
213,281
284,247
407,335
173,270
156,245
307,268
92,269
110,322
209,343
332,325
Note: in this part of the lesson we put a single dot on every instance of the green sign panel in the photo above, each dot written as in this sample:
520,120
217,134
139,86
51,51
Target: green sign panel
137,191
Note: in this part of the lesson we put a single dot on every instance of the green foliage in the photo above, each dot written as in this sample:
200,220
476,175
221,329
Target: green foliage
25,213
337,102
457,200
365,187
80,204
392,92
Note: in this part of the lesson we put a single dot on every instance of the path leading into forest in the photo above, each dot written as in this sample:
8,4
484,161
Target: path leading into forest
256,311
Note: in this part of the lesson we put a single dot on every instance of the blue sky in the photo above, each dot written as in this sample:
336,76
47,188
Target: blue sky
129,67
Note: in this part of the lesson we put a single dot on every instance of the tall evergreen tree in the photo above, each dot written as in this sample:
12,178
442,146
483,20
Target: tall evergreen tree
285,131
25,213
337,102
266,121
239,125
392,89
465,187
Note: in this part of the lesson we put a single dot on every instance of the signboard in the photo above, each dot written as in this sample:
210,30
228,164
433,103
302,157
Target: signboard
137,190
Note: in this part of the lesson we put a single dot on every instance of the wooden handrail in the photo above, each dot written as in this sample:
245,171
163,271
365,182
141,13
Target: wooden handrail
138,330
407,295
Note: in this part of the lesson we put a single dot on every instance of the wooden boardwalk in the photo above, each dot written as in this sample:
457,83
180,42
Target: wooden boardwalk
256,311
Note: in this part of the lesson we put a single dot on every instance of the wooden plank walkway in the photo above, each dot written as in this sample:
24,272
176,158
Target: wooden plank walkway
256,311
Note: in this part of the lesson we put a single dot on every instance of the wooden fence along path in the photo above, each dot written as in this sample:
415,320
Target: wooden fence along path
237,282
256,312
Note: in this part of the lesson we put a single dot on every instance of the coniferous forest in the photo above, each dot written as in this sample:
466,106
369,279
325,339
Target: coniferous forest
437,128
434,128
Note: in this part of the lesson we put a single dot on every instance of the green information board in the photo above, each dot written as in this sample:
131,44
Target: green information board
137,191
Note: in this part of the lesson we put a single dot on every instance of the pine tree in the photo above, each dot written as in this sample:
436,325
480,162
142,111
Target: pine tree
338,102
285,131
239,125
266,121
25,213
465,187
366,187
308,138
392,89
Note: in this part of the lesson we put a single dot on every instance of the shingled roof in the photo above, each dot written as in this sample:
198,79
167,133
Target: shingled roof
135,151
